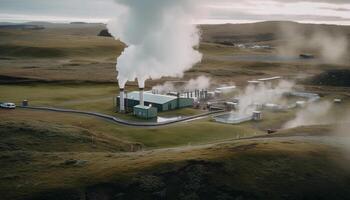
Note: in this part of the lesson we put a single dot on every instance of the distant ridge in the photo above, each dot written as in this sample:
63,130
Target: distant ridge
104,33
270,30
78,23
21,26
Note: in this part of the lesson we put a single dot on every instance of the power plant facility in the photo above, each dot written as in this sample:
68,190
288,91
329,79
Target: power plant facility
147,104
266,95
237,104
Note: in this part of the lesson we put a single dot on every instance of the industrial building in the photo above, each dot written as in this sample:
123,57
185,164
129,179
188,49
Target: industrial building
274,80
225,90
145,112
270,79
147,99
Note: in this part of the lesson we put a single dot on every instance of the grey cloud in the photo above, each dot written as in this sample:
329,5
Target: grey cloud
241,15
336,9
316,1
69,8
290,1
105,9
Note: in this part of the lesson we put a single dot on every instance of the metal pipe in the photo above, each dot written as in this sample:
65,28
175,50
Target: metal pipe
142,103
121,100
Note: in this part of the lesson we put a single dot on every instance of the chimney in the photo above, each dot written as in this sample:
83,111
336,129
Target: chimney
121,101
178,100
142,103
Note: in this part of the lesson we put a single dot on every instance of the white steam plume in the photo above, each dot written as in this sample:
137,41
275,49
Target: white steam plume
160,38
329,46
262,94
343,128
312,114
199,83
166,87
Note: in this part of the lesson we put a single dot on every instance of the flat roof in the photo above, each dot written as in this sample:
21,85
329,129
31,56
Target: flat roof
143,107
254,81
270,79
226,87
151,98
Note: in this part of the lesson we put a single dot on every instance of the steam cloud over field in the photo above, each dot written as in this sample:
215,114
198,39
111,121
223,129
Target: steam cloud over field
342,129
201,82
330,46
262,94
160,38
312,114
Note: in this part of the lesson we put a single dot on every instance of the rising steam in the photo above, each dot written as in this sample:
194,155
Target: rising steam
312,114
329,46
262,94
160,38
342,129
199,83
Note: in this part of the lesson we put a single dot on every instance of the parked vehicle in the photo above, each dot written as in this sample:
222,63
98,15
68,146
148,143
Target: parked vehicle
8,105
306,56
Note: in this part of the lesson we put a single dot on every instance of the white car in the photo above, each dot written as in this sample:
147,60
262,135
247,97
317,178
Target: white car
8,105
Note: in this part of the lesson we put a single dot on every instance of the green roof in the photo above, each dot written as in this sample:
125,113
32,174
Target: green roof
151,98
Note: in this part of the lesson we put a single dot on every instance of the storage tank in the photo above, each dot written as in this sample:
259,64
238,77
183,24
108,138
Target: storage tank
25,103
300,104
121,100
257,116
142,102
337,101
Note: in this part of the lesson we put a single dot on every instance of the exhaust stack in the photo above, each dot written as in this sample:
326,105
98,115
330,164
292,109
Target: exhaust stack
122,100
142,103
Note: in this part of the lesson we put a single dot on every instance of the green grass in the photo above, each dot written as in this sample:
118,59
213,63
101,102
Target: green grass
182,112
275,120
93,97
87,97
99,98
194,133
232,169
54,44
183,134
38,136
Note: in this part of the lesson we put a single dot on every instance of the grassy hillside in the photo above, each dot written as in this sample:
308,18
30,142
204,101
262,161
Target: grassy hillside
198,132
52,44
74,52
39,136
245,170
340,78
263,31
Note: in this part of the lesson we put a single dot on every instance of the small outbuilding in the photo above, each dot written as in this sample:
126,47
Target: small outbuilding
337,101
145,112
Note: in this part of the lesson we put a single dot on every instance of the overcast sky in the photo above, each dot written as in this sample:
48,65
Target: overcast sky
217,11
